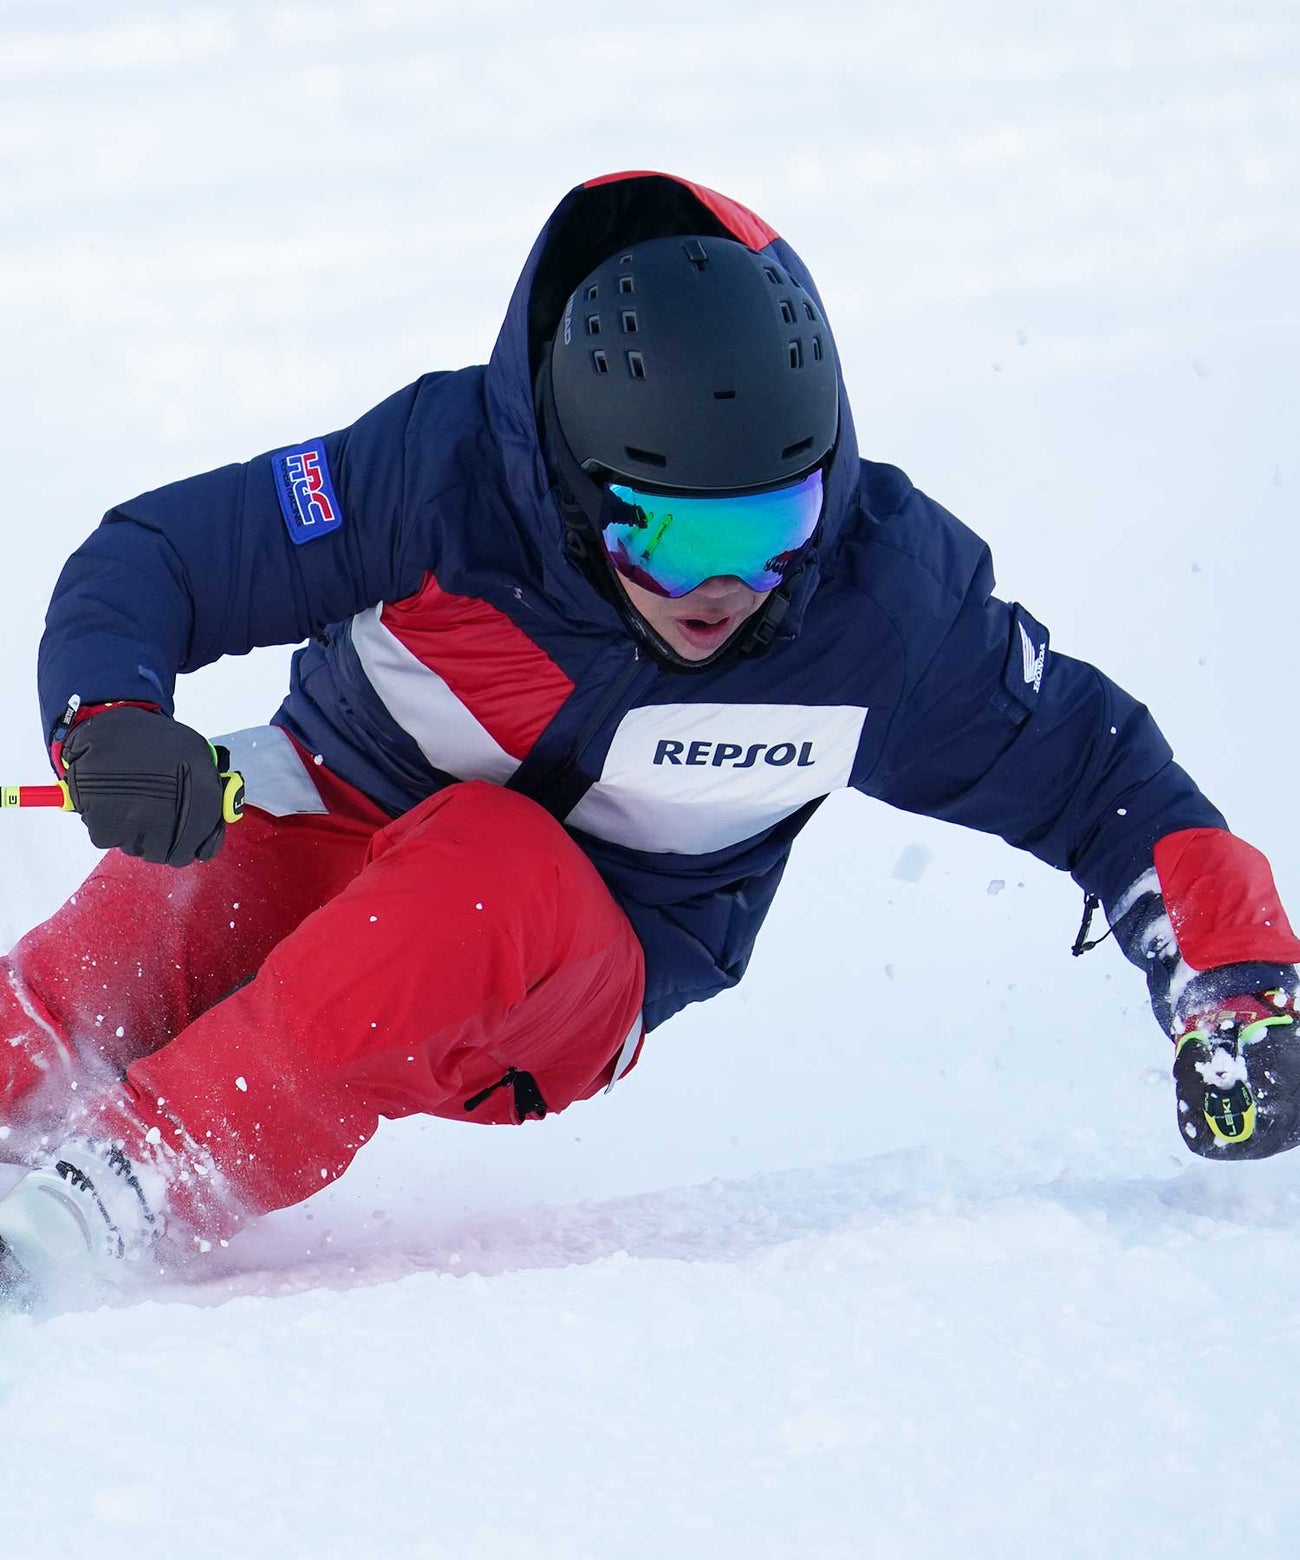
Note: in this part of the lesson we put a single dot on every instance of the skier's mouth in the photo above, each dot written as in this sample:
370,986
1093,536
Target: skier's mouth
707,633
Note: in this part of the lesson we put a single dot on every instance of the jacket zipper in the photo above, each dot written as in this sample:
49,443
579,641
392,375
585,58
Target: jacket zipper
612,699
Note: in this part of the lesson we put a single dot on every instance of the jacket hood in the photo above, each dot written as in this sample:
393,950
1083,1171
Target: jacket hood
592,222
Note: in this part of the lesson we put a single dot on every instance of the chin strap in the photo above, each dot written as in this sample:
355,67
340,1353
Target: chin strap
759,634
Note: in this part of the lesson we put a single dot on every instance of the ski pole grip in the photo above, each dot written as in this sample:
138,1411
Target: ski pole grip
58,795
232,782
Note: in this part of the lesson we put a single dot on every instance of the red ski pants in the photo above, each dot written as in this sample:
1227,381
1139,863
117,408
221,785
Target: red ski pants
465,960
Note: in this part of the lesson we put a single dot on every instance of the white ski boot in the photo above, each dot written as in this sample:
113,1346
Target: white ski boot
70,1226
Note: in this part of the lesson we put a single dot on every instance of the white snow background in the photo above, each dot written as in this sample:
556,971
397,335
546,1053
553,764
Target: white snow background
895,1251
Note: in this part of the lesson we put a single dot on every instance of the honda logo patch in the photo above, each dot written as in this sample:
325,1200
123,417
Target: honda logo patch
307,498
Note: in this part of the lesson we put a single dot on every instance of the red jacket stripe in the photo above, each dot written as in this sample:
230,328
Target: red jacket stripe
1222,901
509,684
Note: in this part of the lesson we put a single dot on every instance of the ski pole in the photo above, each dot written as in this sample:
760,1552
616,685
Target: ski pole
58,795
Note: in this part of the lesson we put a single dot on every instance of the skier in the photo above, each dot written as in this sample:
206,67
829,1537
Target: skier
591,632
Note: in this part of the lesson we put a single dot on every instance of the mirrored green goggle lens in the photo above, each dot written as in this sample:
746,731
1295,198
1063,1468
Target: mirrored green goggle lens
679,540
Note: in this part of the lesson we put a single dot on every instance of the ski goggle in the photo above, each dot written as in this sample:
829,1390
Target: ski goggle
672,542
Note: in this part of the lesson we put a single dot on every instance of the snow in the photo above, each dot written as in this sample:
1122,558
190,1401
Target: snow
1223,1069
895,1250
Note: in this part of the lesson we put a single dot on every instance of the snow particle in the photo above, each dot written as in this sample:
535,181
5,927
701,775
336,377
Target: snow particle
912,862
996,886
242,1085
153,1136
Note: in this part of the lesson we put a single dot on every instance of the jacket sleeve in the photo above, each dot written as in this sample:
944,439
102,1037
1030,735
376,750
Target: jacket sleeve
208,567
999,733
995,731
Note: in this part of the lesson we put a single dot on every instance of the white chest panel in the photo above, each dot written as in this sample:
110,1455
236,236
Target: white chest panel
699,777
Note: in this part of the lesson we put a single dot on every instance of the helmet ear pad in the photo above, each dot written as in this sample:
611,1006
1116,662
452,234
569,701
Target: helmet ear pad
697,364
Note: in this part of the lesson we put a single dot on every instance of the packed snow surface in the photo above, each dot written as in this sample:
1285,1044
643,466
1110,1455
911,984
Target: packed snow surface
895,1251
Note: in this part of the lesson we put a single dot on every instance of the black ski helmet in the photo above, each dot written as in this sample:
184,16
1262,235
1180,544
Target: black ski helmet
694,363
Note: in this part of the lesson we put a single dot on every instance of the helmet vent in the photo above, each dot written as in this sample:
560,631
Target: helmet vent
664,329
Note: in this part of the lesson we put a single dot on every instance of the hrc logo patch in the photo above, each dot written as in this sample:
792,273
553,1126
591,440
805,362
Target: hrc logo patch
307,498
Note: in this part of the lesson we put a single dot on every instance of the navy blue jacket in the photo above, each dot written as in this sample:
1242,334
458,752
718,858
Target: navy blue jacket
428,531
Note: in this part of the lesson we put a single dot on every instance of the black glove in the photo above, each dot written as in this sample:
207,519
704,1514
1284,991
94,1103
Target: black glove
1237,1065
1236,1034
146,785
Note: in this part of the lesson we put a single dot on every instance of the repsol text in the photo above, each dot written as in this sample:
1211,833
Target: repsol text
734,755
